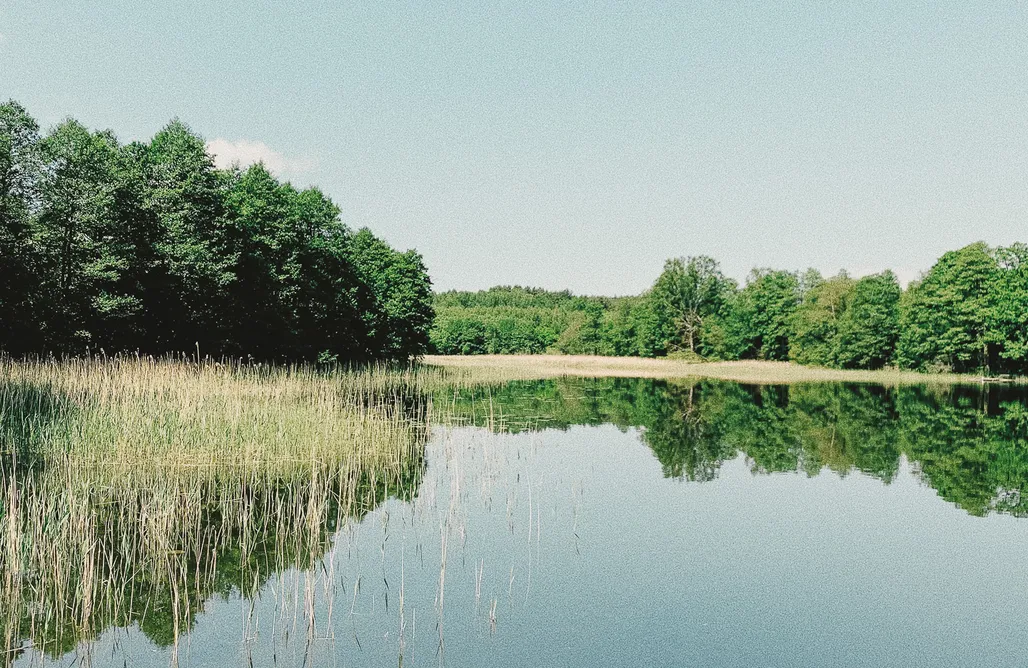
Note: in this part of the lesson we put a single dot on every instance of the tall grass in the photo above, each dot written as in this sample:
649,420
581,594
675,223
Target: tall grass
132,489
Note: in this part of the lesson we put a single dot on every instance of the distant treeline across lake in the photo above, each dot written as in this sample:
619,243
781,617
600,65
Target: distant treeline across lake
147,247
968,313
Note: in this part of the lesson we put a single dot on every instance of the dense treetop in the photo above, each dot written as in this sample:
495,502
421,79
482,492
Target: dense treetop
505,320
148,247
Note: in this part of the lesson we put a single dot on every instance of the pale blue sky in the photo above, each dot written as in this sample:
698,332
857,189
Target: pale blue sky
577,145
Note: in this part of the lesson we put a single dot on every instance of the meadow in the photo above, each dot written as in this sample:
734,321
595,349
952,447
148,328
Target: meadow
758,372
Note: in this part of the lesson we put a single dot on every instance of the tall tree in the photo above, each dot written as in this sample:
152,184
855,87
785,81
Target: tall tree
321,292
400,323
1008,310
944,319
19,176
149,247
193,258
687,292
816,321
257,212
82,243
759,322
869,328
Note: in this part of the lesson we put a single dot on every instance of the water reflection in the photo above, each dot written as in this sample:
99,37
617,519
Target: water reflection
90,544
86,551
969,443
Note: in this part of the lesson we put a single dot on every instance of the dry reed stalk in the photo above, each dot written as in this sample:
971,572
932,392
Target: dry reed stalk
130,481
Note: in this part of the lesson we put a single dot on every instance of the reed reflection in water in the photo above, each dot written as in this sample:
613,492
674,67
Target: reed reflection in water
567,521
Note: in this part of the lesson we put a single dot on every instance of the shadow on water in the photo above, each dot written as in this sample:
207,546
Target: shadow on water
968,443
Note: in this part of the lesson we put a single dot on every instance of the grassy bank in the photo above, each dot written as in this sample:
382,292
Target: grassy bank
525,367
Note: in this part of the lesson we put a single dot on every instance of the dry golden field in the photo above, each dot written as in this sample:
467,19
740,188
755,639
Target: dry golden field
749,371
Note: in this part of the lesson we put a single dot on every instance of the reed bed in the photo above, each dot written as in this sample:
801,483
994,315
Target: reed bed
133,489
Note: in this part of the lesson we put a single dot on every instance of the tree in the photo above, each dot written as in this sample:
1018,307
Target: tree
869,328
193,261
83,245
592,324
322,296
759,320
148,247
817,318
628,328
688,291
944,318
257,226
400,323
459,336
1008,309
20,171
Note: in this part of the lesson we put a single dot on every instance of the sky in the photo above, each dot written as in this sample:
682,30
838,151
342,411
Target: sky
577,145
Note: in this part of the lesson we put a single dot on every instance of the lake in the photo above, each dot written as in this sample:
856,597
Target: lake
609,522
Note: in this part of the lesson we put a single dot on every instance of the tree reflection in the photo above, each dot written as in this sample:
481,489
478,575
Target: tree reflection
970,444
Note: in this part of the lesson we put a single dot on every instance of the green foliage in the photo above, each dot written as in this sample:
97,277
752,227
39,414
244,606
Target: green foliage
584,335
508,297
19,176
969,444
148,247
630,328
83,239
400,322
190,265
687,293
1008,309
513,320
869,328
461,336
945,319
969,313
815,336
758,323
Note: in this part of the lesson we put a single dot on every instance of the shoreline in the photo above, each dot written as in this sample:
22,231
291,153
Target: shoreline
757,372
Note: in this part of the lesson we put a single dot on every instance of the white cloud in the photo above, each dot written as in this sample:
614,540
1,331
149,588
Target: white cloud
245,152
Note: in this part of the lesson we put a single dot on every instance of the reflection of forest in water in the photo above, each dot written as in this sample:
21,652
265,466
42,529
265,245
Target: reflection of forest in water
968,443
86,546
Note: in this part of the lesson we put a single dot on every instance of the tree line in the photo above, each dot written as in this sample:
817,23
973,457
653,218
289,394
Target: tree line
969,312
512,319
148,247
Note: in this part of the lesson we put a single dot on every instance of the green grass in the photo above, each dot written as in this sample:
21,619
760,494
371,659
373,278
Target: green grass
131,490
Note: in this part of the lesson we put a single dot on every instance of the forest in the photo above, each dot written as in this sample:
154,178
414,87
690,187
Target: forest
969,312
147,247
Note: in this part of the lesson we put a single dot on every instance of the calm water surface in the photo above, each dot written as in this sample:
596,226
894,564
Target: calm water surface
642,523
